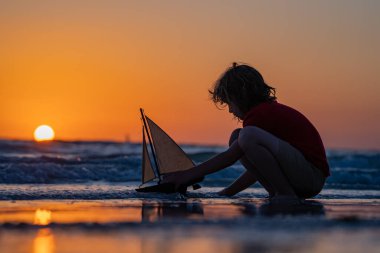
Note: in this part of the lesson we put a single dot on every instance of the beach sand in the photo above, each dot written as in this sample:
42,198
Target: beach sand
189,225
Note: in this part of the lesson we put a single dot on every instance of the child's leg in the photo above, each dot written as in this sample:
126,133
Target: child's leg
250,167
261,148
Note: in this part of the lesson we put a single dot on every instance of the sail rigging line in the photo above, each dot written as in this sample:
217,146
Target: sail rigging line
143,153
145,125
147,172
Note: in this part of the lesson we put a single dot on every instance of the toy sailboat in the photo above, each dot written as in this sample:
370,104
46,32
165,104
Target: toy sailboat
167,157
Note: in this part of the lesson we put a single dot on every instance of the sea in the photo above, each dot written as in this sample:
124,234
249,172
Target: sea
112,170
61,196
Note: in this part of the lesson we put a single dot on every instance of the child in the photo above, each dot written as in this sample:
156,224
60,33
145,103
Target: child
278,146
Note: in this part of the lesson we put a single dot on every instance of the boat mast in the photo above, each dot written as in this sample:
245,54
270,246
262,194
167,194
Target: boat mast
150,144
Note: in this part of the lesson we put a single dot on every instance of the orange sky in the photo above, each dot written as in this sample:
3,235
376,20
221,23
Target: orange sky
85,67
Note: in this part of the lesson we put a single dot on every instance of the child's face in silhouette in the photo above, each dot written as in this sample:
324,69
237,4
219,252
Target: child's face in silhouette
234,109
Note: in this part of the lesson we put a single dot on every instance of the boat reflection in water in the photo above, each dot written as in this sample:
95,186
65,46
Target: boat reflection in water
152,212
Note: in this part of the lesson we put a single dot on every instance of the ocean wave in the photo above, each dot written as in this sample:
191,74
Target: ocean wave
27,162
52,172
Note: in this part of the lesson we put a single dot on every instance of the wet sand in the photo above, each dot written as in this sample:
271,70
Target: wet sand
193,225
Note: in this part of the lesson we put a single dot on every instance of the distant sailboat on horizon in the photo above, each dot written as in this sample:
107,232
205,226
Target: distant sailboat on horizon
167,157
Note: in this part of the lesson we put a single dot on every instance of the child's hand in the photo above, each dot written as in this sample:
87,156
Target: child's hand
224,193
178,178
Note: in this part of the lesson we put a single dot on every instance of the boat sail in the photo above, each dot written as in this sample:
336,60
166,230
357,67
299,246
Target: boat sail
167,157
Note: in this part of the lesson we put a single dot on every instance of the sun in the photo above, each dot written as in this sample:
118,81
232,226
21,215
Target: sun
44,133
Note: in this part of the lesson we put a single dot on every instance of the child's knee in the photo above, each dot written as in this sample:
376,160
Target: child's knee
248,135
234,136
251,137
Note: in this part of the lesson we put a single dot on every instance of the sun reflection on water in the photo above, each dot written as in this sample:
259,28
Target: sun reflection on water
44,241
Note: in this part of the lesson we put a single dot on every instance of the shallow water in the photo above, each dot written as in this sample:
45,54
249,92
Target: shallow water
192,225
189,240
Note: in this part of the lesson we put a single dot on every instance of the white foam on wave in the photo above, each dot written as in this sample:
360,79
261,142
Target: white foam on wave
103,190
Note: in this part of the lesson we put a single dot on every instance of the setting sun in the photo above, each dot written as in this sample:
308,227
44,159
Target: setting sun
44,133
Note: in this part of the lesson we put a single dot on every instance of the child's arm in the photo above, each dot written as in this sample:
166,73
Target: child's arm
243,182
216,163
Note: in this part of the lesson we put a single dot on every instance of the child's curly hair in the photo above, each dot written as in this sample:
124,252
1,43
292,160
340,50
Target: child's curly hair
244,86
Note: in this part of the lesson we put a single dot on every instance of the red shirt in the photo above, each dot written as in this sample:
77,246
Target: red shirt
291,126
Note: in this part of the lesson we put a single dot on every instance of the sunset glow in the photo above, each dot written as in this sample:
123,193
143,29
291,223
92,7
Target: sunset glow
88,66
44,133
